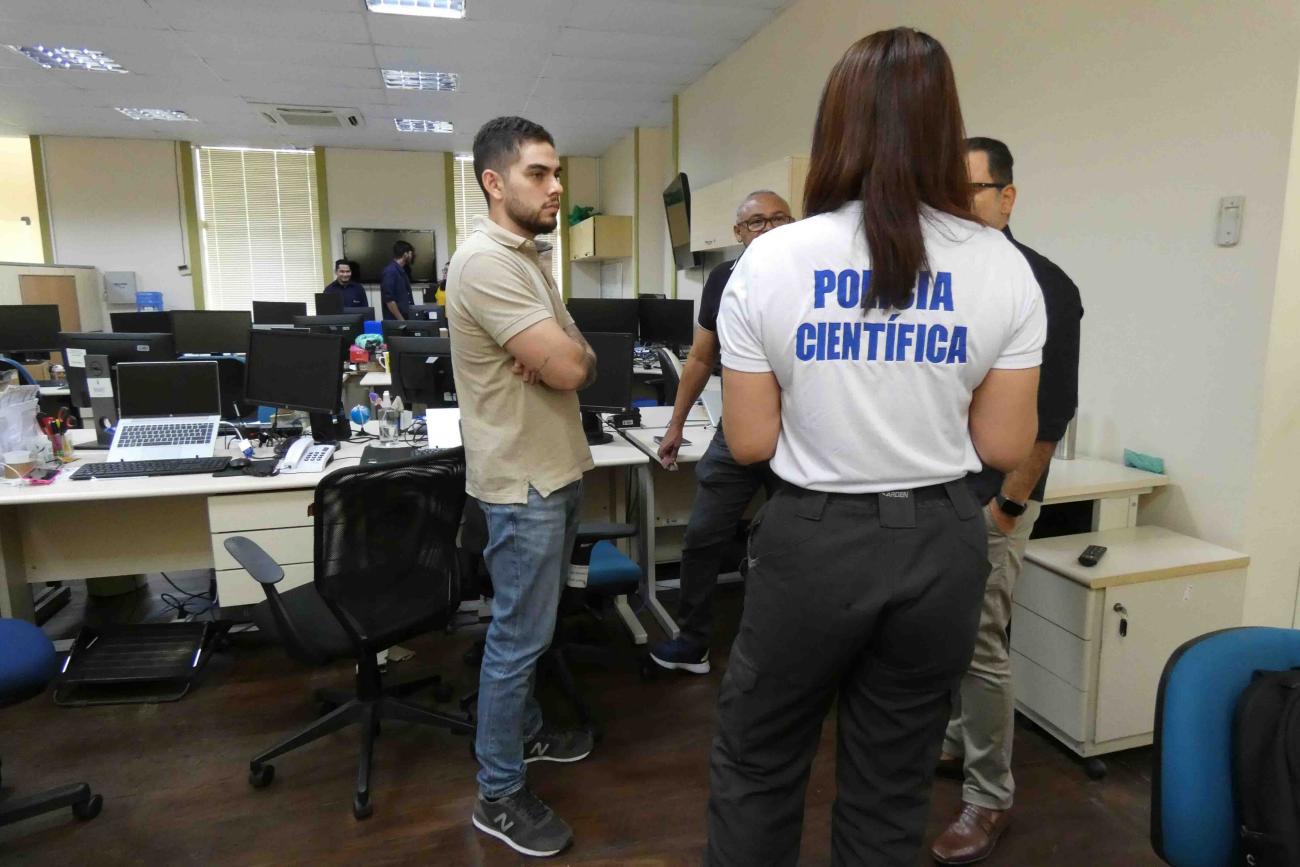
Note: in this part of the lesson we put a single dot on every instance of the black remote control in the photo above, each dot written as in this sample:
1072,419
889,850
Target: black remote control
1092,554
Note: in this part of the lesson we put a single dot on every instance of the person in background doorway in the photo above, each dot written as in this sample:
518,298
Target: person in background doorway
354,294
395,282
977,745
725,487
440,294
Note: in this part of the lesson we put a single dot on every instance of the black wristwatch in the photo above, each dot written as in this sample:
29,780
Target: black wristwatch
1009,507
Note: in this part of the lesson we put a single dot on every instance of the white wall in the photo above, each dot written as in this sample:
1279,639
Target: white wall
655,166
582,184
20,226
1128,122
376,189
618,198
115,204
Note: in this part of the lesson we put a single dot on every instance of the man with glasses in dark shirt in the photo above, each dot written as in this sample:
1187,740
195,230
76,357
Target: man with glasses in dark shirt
977,746
725,487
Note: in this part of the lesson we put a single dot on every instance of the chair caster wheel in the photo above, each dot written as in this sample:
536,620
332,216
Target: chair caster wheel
1095,769
361,806
87,810
260,776
442,693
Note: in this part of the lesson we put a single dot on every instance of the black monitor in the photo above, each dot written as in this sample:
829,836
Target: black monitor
144,321
328,303
667,322
277,312
345,325
211,332
119,347
677,208
422,372
151,389
432,312
29,328
610,315
612,390
409,328
297,370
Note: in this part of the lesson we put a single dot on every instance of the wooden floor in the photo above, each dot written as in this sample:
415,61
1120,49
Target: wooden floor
174,776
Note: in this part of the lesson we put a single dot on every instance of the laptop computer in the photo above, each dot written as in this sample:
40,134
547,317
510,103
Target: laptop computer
712,399
167,410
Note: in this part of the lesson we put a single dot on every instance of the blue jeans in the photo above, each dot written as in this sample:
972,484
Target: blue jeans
527,555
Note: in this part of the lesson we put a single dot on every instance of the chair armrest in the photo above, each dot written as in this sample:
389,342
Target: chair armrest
594,531
255,561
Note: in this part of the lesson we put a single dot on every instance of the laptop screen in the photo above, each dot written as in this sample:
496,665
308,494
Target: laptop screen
149,389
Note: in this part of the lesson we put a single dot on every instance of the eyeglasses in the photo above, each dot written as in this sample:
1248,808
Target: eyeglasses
758,224
987,185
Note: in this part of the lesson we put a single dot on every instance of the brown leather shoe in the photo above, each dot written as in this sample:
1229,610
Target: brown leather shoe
971,836
951,767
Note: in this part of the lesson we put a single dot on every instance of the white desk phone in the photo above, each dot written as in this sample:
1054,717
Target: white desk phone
305,455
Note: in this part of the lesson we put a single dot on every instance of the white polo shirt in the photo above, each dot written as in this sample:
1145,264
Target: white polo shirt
878,400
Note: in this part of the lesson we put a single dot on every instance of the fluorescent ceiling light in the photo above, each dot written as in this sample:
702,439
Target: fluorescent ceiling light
406,79
425,8
464,158
155,114
63,57
411,124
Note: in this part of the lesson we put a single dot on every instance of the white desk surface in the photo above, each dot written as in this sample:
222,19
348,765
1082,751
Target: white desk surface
1133,555
55,391
1090,478
618,453
377,379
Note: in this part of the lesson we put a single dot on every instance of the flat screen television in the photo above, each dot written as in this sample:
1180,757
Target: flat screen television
677,206
372,250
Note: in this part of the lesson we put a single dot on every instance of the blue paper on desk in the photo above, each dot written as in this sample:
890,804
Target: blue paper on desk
1139,461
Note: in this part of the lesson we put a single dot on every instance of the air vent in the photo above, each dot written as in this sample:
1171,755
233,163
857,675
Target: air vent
312,116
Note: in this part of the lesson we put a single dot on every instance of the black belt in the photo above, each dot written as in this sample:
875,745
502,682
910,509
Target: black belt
897,509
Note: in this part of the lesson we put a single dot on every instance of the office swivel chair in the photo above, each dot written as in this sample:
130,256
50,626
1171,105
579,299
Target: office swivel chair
386,570
671,368
27,663
1193,817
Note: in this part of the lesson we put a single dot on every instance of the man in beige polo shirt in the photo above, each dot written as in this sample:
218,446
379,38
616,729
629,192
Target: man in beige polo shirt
519,361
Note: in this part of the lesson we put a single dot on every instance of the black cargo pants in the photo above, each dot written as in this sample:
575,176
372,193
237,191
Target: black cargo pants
871,599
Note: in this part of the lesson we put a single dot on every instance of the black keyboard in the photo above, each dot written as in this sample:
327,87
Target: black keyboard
125,469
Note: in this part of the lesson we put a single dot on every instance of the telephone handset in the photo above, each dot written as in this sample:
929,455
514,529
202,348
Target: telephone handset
306,456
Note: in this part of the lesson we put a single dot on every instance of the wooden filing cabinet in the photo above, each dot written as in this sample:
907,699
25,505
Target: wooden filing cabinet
600,238
276,520
1088,644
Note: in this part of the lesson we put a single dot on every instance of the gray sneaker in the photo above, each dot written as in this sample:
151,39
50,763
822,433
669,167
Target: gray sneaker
558,745
523,823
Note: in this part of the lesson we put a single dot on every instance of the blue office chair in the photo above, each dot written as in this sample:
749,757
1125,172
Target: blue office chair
27,664
1193,819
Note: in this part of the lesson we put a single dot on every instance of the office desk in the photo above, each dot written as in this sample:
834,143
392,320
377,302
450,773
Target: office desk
88,529
377,379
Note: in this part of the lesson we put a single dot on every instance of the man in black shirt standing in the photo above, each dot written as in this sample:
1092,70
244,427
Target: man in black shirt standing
725,487
395,282
977,745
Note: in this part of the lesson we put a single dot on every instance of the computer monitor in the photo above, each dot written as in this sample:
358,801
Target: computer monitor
345,325
118,347
277,312
609,315
150,389
141,322
612,390
29,328
328,303
211,332
409,328
422,372
667,322
431,312
296,370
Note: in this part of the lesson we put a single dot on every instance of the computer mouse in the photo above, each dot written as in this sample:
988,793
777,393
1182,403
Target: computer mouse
238,463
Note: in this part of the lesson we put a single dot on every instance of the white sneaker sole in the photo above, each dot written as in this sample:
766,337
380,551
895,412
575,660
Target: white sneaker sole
524,850
692,667
528,760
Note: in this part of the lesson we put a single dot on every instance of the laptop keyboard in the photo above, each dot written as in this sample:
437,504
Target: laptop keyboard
124,469
180,434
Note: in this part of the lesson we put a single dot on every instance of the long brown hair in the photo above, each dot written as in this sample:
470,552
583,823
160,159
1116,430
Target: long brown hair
889,133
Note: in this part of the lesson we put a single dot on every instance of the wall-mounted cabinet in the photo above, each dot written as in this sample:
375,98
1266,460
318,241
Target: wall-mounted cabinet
601,237
713,208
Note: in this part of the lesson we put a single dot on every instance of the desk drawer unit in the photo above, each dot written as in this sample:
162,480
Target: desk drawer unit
277,521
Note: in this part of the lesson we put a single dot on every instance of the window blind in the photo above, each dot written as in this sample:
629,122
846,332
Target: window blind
471,206
260,226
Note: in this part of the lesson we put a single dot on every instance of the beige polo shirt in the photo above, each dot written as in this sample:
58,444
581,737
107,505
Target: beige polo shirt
516,435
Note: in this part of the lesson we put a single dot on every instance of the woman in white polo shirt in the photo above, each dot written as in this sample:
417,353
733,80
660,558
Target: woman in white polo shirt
875,352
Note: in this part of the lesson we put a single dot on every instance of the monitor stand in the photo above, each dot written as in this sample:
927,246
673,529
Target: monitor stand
330,427
594,429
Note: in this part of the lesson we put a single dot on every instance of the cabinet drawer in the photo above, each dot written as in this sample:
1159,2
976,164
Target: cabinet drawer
1061,652
288,545
232,513
1057,599
1050,697
237,587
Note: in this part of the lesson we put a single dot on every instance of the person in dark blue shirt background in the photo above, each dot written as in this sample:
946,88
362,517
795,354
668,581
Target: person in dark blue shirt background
354,294
395,284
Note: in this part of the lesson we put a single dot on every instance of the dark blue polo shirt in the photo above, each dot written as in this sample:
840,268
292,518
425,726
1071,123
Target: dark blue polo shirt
395,285
354,294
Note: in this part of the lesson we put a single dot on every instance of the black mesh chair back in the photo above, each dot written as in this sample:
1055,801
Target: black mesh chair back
386,559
